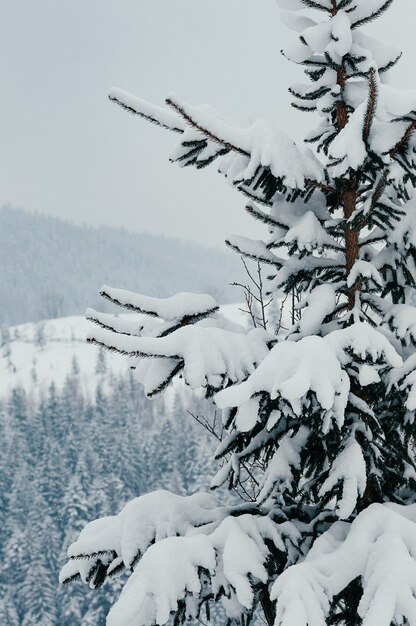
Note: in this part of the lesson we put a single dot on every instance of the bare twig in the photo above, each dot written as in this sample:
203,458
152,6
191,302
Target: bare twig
255,295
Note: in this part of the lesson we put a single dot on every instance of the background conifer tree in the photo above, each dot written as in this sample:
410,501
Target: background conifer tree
318,422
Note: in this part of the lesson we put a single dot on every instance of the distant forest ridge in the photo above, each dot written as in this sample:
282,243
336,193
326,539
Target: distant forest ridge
52,268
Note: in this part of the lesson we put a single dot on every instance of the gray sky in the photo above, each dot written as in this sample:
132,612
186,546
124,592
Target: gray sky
66,150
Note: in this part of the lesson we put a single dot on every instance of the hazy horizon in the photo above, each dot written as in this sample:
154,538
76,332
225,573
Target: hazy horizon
73,154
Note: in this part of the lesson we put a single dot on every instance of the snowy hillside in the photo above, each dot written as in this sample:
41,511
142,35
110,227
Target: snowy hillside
35,355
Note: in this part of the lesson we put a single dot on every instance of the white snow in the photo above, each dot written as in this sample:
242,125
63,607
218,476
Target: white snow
287,456
255,249
380,547
167,572
47,352
144,520
349,144
34,365
248,415
350,469
401,318
364,342
308,234
298,23
169,309
316,305
261,144
366,270
382,53
333,36
211,356
233,551
290,371
161,115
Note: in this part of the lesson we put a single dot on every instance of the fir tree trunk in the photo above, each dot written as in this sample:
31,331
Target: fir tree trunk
348,198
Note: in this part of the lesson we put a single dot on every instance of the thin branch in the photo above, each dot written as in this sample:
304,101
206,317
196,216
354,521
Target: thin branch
370,106
279,325
314,183
248,272
205,131
250,474
403,140
262,305
150,118
205,424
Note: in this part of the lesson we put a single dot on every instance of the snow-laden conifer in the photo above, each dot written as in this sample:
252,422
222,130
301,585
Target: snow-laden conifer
318,421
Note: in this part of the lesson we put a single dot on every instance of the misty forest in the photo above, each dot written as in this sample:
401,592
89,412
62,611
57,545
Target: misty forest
225,437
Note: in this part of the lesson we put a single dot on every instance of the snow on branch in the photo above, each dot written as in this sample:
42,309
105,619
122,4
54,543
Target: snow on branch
404,378
307,235
379,547
279,474
292,370
182,551
266,218
121,325
310,270
169,577
152,113
253,249
143,521
316,306
350,470
262,157
358,12
401,319
384,56
362,341
365,11
261,144
180,573
212,357
217,130
180,306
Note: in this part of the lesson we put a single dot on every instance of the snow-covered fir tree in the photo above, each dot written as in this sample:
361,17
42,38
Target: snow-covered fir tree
317,422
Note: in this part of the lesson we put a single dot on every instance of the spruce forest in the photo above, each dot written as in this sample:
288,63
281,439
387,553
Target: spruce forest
70,467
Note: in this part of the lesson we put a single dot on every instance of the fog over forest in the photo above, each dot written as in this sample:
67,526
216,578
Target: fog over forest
53,268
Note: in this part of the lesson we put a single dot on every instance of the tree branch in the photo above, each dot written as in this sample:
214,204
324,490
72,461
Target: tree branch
322,186
370,106
203,130
231,147
403,140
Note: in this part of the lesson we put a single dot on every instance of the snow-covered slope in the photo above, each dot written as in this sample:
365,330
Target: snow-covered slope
35,355
38,354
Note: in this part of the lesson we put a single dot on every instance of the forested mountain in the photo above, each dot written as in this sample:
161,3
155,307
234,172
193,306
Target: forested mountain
51,268
78,440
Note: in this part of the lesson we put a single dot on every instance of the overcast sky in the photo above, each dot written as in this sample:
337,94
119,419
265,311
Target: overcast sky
67,151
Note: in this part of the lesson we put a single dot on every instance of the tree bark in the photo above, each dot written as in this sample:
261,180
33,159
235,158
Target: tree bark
349,202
